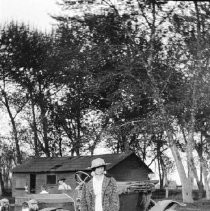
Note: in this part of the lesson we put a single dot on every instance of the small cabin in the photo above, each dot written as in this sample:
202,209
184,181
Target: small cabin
35,172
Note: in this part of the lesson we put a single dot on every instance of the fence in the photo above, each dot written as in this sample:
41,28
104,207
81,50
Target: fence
175,194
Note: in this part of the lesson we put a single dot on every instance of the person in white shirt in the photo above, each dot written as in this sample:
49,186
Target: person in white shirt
62,185
43,189
100,193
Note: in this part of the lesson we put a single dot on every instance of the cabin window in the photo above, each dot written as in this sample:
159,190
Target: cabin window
51,179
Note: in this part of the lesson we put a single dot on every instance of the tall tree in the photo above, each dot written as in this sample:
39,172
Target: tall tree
194,28
31,62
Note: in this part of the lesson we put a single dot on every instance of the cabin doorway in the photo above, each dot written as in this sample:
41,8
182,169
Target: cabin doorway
32,183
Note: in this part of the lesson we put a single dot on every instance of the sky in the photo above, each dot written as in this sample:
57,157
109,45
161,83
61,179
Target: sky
32,12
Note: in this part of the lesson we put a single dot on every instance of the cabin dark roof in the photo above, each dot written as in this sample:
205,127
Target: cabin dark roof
69,164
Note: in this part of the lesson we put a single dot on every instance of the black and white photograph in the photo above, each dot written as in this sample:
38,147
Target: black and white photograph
104,105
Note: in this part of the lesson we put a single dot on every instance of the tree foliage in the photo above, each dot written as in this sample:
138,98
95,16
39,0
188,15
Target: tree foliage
135,79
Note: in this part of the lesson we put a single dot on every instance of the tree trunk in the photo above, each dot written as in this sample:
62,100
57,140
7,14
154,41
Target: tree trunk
206,181
186,182
200,184
200,189
34,127
78,140
1,184
19,156
60,147
14,128
45,136
44,126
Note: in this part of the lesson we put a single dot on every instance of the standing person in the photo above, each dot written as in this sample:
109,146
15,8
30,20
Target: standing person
62,185
100,193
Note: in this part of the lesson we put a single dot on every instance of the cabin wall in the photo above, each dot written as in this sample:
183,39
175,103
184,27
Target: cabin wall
42,180
19,181
130,170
